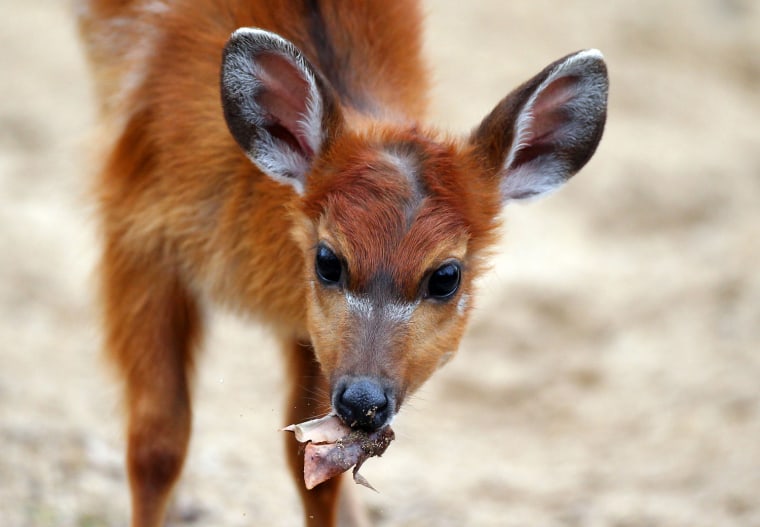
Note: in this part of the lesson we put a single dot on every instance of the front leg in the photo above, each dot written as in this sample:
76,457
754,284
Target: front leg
308,398
152,325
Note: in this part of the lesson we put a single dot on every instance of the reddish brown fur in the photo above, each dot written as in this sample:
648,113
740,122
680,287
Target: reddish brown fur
461,206
184,210
186,216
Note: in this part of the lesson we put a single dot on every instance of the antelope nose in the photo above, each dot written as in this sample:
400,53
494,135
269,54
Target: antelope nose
362,403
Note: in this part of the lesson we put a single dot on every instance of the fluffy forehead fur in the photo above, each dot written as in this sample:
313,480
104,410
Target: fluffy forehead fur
397,204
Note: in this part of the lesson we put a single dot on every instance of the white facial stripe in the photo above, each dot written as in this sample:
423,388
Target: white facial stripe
463,303
359,305
407,163
404,163
362,306
400,312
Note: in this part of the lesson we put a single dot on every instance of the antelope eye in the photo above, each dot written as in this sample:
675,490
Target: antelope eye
328,266
444,281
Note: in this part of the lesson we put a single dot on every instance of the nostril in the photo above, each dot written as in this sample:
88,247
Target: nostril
363,404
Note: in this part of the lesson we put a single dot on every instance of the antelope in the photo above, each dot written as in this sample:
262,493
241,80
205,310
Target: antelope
272,158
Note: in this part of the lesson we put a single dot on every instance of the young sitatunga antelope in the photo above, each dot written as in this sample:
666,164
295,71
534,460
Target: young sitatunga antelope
272,157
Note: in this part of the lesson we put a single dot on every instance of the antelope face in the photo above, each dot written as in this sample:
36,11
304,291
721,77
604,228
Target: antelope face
390,267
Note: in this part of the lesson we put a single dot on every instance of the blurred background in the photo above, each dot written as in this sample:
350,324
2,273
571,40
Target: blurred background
611,373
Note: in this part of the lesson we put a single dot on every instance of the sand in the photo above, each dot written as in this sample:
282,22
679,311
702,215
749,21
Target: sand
611,372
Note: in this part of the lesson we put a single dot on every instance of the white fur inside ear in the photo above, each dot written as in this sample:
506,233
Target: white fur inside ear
547,173
311,123
532,180
281,164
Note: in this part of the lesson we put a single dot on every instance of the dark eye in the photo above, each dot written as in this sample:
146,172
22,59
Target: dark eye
328,266
444,281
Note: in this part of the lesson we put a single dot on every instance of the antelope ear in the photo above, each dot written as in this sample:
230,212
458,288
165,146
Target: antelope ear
542,133
276,105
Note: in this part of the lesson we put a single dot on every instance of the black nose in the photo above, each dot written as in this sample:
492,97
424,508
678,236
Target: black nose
362,403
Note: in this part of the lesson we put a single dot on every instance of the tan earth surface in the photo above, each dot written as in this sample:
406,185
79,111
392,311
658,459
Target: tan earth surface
611,374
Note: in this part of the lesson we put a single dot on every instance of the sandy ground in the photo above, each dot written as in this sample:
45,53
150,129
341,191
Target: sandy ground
610,377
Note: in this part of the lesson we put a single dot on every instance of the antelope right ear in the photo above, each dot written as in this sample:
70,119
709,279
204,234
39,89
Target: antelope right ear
278,108
542,133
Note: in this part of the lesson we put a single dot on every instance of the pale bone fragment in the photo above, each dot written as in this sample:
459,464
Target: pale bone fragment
332,448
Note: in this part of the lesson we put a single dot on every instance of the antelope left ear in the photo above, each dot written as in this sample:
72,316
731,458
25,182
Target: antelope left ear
278,109
542,133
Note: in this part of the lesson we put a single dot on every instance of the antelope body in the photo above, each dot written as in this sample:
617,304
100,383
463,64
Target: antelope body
272,157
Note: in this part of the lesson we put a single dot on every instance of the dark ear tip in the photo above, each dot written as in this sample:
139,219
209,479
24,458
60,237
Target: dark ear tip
592,54
591,59
251,34
587,56
241,37
584,61
253,40
591,64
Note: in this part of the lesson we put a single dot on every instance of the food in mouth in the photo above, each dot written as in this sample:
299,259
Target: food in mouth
332,448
